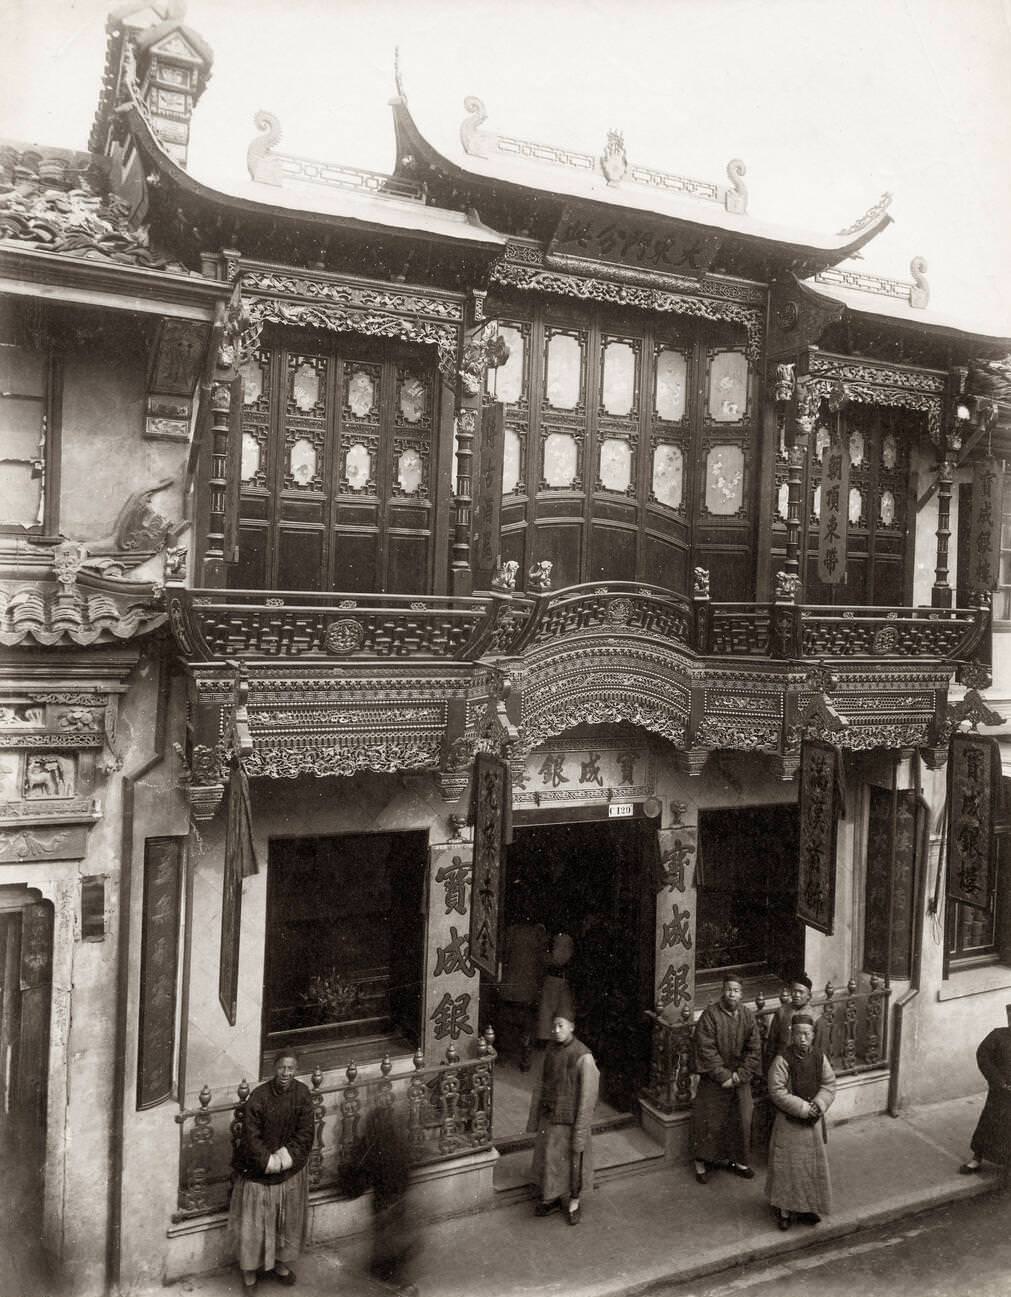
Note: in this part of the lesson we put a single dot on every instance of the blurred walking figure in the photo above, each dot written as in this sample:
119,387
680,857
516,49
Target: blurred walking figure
523,971
385,1168
802,1087
556,993
562,1116
991,1140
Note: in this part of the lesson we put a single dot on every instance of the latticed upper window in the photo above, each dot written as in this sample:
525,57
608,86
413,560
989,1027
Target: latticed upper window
1002,597
26,450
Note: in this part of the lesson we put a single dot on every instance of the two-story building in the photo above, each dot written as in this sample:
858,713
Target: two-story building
543,540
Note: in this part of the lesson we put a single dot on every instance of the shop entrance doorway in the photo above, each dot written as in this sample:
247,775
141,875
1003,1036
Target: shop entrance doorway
587,879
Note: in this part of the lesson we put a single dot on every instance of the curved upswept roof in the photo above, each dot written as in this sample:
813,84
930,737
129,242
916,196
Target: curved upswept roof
502,160
314,203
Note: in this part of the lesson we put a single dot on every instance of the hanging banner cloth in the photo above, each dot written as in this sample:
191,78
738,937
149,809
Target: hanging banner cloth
491,815
974,773
822,801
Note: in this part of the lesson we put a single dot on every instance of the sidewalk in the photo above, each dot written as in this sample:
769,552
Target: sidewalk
659,1226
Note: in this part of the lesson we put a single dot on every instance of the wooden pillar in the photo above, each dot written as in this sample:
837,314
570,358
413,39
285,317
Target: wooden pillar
940,595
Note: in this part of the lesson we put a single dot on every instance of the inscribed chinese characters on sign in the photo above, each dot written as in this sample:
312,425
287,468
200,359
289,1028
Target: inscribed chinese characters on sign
833,521
820,808
490,811
451,979
973,790
984,526
159,955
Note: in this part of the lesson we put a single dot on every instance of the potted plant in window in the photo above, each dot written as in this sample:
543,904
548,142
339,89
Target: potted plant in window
332,997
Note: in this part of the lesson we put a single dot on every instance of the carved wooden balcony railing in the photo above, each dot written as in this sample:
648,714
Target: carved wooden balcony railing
446,1110
812,631
215,625
856,1035
218,625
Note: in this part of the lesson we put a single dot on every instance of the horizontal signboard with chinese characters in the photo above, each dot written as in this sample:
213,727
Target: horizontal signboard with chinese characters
599,774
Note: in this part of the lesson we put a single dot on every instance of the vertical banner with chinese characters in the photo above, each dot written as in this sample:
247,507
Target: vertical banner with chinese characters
451,979
984,526
491,807
833,519
820,808
675,919
893,864
487,492
973,791
159,966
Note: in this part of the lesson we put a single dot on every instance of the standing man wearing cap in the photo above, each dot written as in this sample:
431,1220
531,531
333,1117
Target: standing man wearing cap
779,1027
562,1114
991,1140
270,1185
728,1054
802,1087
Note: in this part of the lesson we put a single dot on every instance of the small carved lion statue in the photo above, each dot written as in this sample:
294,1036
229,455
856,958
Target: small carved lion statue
700,582
505,576
539,576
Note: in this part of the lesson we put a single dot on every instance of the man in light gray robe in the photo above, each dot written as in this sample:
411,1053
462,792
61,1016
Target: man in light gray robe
562,1115
802,1087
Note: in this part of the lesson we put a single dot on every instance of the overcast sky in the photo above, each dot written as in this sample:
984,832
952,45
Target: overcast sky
829,102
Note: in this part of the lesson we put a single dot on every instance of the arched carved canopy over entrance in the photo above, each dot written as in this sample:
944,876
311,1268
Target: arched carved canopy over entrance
601,683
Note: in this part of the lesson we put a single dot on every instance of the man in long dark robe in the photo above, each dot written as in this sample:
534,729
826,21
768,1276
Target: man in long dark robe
562,1115
991,1140
270,1187
728,1055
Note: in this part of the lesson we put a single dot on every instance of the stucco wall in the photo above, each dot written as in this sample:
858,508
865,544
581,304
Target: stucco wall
102,443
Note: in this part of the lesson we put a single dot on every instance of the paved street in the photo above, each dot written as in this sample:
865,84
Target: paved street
962,1248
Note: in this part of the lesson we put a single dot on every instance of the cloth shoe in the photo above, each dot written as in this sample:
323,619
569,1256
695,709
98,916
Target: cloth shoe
967,1168
574,1215
745,1172
783,1220
288,1278
546,1208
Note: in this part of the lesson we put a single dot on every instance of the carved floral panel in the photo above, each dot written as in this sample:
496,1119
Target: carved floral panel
615,471
618,382
889,451
671,383
724,480
561,460
253,379
413,398
511,461
410,472
302,462
856,447
507,380
668,475
728,386
563,387
358,467
887,509
252,457
856,505
361,394
307,383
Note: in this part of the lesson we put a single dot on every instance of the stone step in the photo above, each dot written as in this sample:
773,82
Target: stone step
626,1150
513,1143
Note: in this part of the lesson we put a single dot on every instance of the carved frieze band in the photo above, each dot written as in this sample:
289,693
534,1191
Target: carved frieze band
354,296
870,384
531,278
335,318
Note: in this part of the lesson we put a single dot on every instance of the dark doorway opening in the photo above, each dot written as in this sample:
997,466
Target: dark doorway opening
747,904
587,879
344,942
26,964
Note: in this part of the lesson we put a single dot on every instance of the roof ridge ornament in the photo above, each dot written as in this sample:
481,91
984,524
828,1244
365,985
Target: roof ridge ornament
614,159
613,164
263,168
919,294
270,168
870,216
